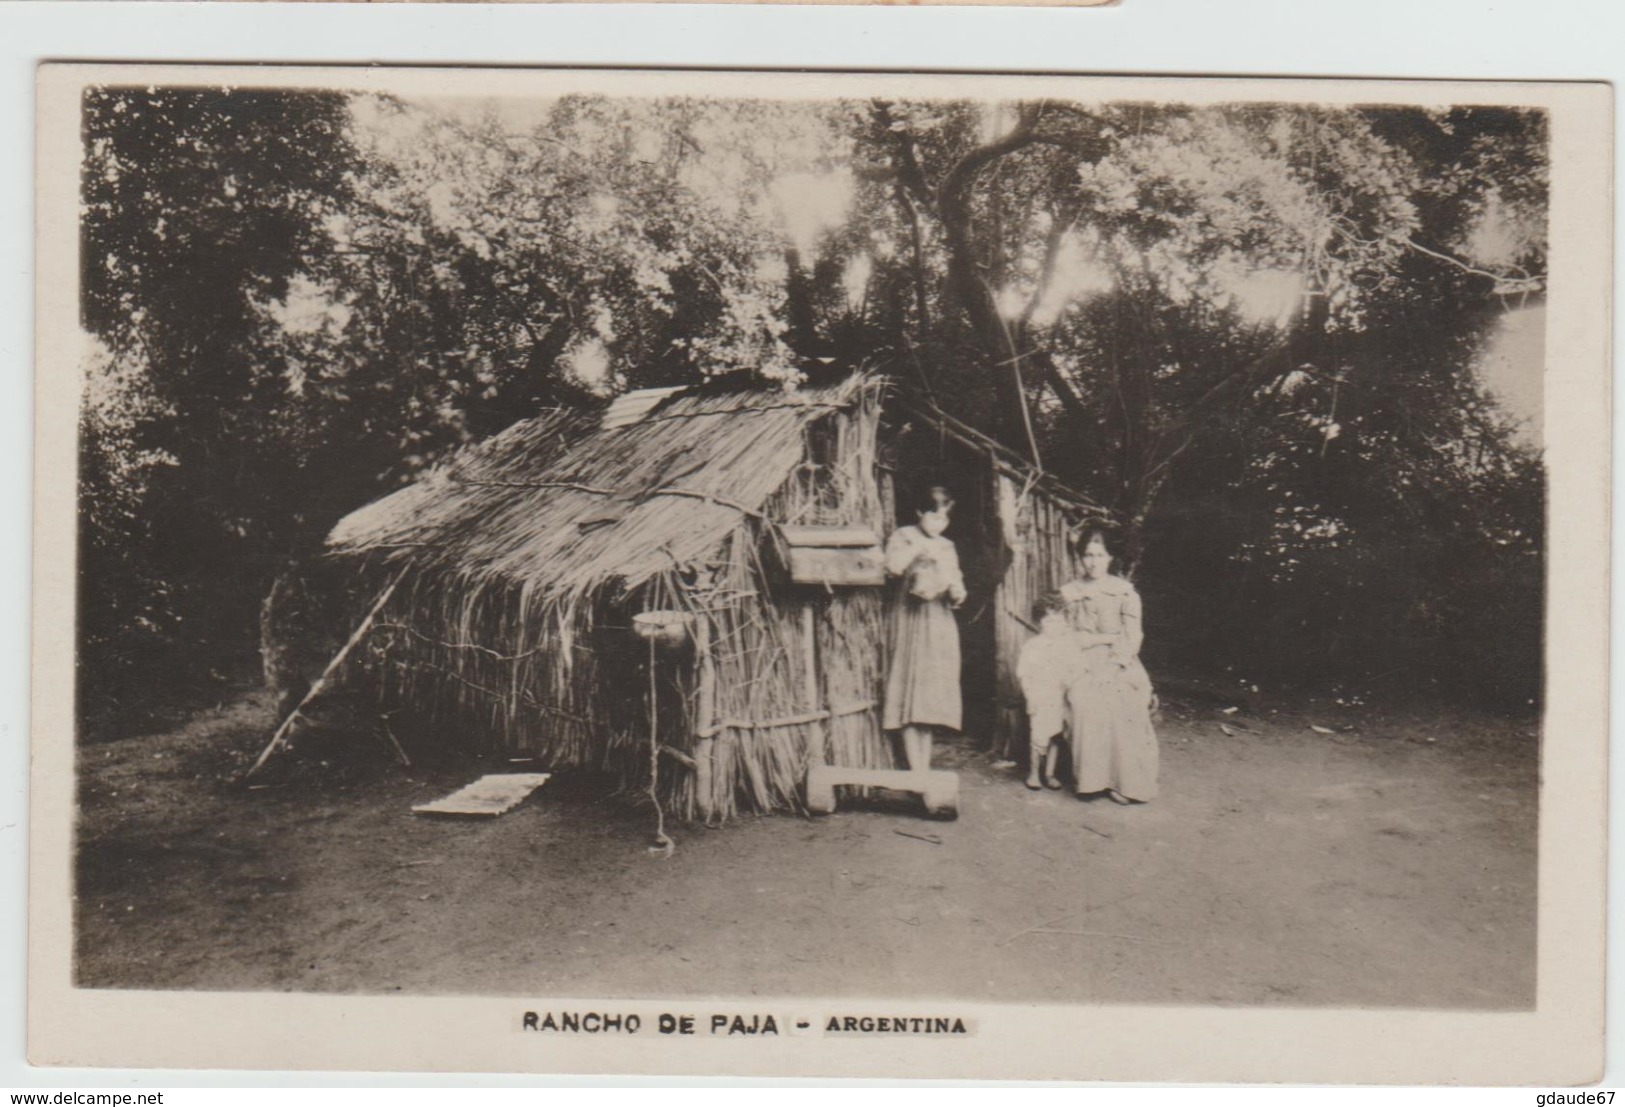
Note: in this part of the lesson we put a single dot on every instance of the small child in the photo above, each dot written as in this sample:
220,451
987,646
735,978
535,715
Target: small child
1049,662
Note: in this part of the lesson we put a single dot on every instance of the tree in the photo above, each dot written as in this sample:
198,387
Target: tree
1268,313
995,206
201,205
324,293
306,298
1362,509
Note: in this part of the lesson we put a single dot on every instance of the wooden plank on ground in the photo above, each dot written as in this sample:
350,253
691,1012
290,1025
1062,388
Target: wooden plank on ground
487,797
938,788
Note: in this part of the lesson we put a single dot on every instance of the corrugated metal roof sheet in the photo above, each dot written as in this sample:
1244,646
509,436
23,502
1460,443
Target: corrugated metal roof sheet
634,407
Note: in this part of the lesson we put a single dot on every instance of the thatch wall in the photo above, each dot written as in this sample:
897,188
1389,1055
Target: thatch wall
792,652
525,560
522,563
1036,529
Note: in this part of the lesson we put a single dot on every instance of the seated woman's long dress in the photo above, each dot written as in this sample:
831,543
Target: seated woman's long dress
922,685
1109,704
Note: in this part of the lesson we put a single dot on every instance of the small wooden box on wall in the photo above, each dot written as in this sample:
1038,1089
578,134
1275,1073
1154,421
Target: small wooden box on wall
833,557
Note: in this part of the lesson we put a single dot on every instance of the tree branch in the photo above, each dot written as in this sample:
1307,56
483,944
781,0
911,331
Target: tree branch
1046,272
1066,107
906,166
953,193
1062,387
910,189
1508,281
952,205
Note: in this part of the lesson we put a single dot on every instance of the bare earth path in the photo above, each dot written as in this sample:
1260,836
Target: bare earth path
1390,865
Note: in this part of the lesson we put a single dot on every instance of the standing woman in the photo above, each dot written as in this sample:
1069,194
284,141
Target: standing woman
1114,748
922,686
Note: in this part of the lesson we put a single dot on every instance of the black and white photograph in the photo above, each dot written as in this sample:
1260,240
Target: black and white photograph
855,553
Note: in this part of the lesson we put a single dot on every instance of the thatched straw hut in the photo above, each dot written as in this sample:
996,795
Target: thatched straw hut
752,517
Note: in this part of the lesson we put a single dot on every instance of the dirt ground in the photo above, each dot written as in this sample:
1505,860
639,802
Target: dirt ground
1391,862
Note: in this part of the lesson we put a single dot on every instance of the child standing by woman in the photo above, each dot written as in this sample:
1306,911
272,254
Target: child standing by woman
922,685
1050,662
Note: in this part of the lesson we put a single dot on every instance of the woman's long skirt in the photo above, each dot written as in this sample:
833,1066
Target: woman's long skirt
922,686
1113,743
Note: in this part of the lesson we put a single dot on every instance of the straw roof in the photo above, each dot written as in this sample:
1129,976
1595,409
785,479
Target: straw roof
568,502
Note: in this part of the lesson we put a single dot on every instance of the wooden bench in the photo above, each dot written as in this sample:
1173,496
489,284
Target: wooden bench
938,788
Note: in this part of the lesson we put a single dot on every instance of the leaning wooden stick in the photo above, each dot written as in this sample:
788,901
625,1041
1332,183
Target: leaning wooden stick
400,751
360,632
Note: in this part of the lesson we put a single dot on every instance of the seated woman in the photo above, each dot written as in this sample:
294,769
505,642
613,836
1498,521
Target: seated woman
1114,748
922,686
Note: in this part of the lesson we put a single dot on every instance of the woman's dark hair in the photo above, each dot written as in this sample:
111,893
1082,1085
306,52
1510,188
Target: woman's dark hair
1081,540
932,498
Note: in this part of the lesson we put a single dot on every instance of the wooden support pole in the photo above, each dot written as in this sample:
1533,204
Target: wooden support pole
723,775
704,742
703,752
279,738
663,844
818,742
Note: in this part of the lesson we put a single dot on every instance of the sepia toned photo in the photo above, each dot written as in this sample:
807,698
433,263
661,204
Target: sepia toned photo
868,565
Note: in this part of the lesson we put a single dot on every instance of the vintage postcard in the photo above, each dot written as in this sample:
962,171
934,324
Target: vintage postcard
821,575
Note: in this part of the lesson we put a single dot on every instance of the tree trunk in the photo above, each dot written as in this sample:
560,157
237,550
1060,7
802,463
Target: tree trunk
279,655
994,346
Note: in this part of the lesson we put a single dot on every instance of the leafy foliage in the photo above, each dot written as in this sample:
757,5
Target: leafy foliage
201,206
1251,329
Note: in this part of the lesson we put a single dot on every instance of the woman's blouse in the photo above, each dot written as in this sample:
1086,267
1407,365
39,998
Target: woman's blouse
1102,606
927,582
